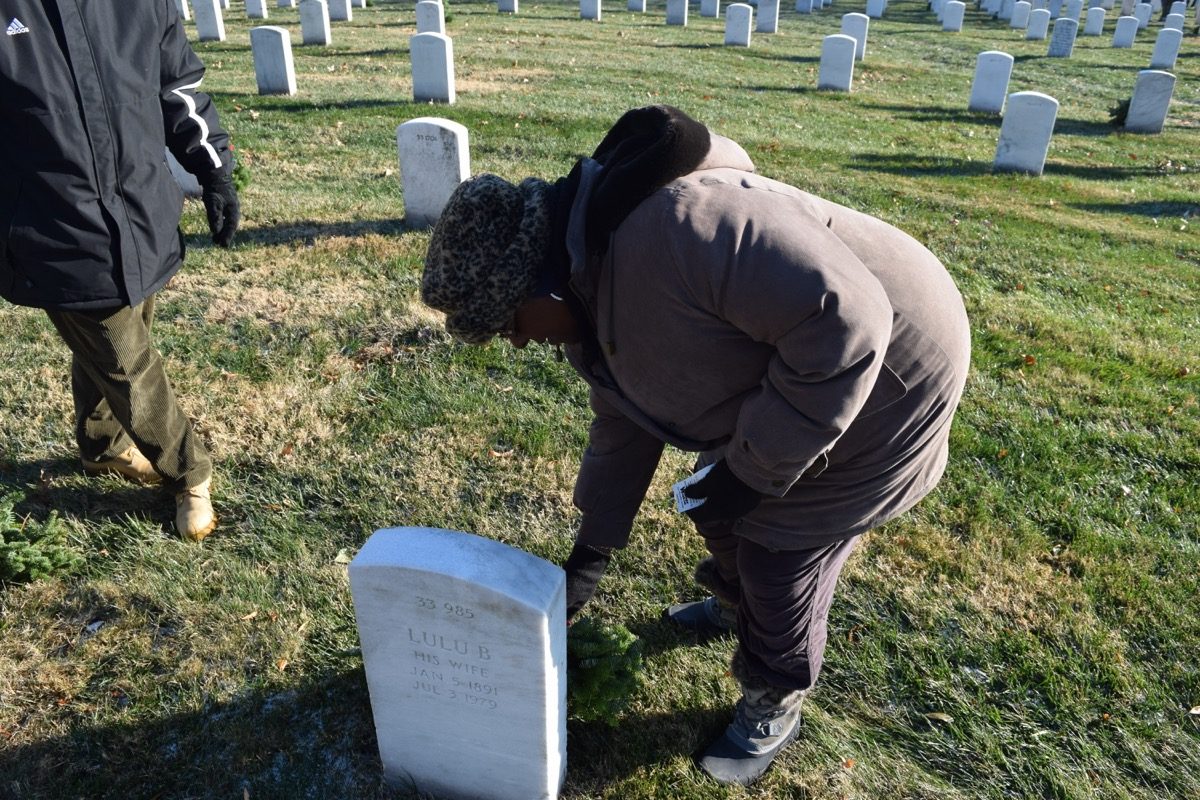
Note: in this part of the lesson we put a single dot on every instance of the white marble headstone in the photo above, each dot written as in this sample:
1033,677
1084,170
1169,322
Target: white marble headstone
431,16
1151,99
677,12
432,67
1055,7
589,9
210,24
314,22
1174,21
836,71
709,8
256,9
464,645
1074,9
1020,15
1094,25
806,6
1142,12
359,3
271,47
1178,7
989,89
435,158
1039,23
1126,32
875,8
768,17
507,6
1166,49
340,11
1025,133
737,24
185,10
1062,40
856,25
1006,10
285,4
636,6
952,16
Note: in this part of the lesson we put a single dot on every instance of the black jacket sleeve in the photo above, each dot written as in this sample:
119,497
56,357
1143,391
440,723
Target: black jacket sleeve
193,132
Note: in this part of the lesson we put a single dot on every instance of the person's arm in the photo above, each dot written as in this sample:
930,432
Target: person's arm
614,475
191,129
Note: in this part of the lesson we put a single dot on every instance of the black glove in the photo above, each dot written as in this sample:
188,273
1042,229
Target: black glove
221,205
726,496
584,568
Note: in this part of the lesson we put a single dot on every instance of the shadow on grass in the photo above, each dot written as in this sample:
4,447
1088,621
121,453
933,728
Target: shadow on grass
1143,209
307,232
295,107
920,165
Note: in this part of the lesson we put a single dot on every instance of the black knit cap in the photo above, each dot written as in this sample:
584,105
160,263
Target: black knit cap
485,254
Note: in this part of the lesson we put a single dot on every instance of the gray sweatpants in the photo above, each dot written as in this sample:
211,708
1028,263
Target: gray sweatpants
783,601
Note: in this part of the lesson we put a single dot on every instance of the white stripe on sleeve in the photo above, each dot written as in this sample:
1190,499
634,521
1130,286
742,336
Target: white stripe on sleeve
190,102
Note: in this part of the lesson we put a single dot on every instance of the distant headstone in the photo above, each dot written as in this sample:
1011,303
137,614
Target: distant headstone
359,3
1151,99
186,180
1062,40
806,6
432,67
1094,26
768,16
875,8
856,25
677,11
952,16
589,9
1039,23
1020,15
1127,7
1074,9
225,4
638,6
1142,12
1006,10
210,24
1025,133
737,24
285,4
710,8
274,71
434,159
431,16
464,646
1174,21
1178,7
836,71
1166,49
340,11
256,9
1055,7
507,6
989,89
1126,32
185,10
314,22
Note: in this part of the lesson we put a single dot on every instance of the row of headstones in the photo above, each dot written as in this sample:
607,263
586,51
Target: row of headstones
1035,22
315,16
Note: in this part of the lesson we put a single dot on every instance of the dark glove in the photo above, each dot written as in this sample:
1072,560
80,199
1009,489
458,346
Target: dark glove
584,568
221,205
726,496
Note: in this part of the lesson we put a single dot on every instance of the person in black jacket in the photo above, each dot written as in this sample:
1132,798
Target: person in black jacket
90,93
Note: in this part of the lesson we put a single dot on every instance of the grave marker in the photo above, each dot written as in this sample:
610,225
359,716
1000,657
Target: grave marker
1126,32
836,71
359,3
1006,10
1174,21
806,6
589,9
636,5
1025,133
1095,22
256,9
989,89
314,22
431,16
1062,40
210,24
507,6
952,16
1142,12
677,11
1074,9
274,70
185,10
768,16
709,8
875,8
1039,23
464,647
737,24
1166,49
1020,15
856,25
432,67
1150,102
285,4
339,11
434,159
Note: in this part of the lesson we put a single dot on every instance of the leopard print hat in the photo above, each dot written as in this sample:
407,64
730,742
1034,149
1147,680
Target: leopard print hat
485,253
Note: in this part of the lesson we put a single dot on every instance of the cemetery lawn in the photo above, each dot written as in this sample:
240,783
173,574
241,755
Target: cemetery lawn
1031,630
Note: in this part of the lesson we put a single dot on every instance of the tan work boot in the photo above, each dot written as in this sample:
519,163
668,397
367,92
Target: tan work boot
131,465
194,517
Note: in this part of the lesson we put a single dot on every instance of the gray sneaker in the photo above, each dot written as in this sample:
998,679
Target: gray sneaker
708,617
765,721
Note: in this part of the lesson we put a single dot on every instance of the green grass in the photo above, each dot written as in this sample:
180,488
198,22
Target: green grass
1045,599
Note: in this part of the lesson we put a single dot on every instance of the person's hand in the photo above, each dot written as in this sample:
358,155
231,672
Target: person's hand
584,568
221,205
725,496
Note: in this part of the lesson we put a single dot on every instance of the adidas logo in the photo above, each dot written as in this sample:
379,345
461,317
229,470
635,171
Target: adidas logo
15,27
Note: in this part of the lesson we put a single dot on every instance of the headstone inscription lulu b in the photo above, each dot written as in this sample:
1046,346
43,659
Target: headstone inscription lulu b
1025,133
738,18
470,634
1062,40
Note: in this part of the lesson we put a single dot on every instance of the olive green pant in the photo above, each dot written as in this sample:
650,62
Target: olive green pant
122,395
